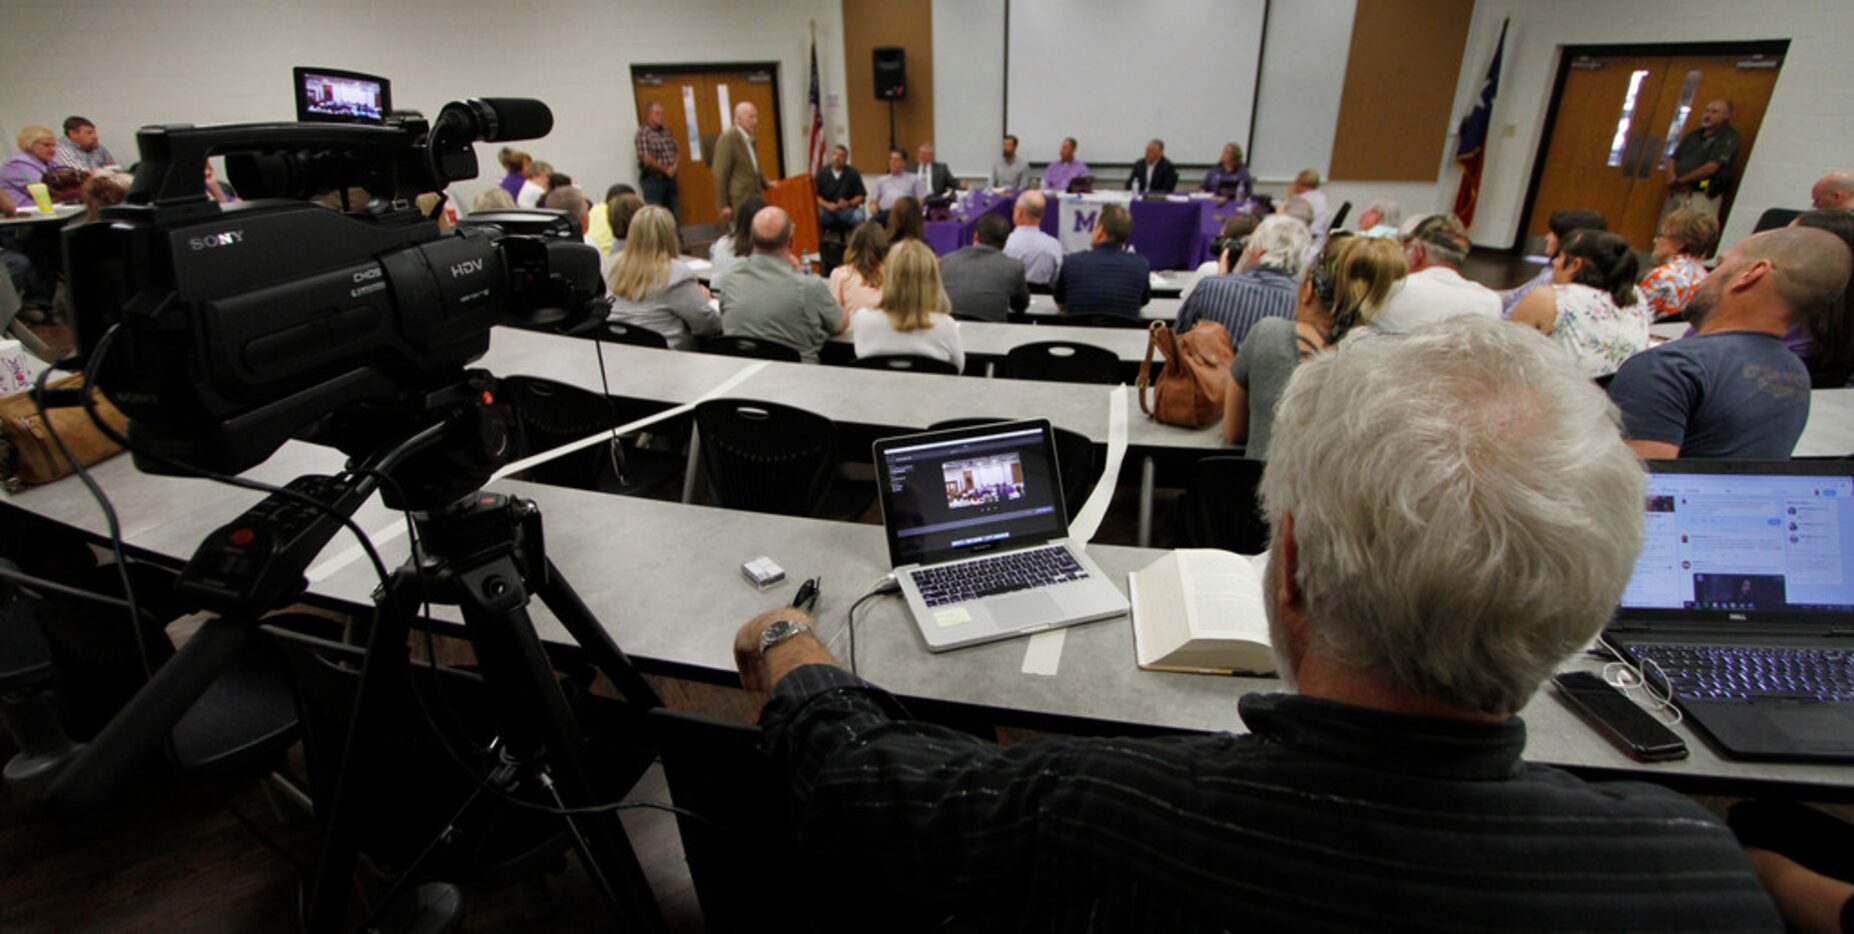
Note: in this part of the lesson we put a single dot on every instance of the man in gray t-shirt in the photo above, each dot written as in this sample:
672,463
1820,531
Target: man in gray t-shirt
766,298
1009,171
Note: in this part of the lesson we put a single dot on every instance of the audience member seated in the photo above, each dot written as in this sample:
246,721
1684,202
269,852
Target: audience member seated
936,178
654,287
1154,174
1435,249
495,199
36,291
1342,289
1441,546
1040,253
857,283
1063,172
104,189
1226,250
1306,187
1732,390
726,252
1105,279
599,225
38,151
1010,171
766,296
1299,209
1229,177
1559,226
914,317
840,192
1833,192
515,165
80,149
568,197
905,222
1824,338
535,187
620,212
980,280
1264,285
896,185
1380,219
1592,308
1685,239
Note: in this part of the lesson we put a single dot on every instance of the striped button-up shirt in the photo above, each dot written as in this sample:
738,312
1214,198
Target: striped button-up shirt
1239,300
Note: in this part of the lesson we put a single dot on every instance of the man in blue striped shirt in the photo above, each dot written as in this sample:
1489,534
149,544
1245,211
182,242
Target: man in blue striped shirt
1266,283
1105,279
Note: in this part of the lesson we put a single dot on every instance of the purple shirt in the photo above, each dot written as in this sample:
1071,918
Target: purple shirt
1059,174
512,183
21,170
1240,177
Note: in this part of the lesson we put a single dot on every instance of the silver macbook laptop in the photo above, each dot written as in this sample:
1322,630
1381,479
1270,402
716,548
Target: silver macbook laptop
978,535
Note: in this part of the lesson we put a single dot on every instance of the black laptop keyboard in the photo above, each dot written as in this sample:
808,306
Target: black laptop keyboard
1712,672
983,577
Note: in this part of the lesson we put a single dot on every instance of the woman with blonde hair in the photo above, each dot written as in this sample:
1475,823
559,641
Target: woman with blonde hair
38,154
652,286
915,317
857,283
1342,290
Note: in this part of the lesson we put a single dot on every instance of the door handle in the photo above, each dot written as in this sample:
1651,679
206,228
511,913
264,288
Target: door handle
1651,154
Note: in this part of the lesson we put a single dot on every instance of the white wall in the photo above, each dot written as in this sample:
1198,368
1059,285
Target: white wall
1303,74
215,61
1807,132
968,84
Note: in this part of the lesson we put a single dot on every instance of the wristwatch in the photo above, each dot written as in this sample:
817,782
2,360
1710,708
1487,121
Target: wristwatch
780,631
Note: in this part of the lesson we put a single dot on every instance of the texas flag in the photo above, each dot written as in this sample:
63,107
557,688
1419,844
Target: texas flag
1471,142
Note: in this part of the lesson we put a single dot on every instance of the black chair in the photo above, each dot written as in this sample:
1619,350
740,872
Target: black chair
617,332
728,345
1338,221
1075,459
550,414
1095,320
905,363
766,457
1774,218
962,316
697,238
1219,509
1062,362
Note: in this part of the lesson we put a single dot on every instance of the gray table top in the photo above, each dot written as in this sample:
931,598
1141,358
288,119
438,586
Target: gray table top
996,338
1830,429
1161,308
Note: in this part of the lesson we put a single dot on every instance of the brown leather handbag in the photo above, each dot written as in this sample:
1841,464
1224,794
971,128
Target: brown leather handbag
1190,389
28,457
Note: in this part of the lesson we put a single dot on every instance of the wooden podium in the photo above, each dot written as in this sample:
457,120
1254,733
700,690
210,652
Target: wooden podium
798,195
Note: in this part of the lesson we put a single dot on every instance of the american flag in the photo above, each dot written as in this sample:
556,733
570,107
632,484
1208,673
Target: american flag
819,150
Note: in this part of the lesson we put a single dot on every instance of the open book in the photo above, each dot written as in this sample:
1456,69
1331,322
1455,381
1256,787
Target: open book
1200,610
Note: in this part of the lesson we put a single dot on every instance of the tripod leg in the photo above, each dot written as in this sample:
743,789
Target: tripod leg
592,637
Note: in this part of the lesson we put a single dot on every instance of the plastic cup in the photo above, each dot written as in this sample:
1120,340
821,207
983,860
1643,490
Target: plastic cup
41,196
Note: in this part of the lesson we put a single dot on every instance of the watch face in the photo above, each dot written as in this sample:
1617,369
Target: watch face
778,632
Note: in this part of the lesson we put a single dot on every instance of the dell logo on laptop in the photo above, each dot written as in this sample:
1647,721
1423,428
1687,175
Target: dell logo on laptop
1737,617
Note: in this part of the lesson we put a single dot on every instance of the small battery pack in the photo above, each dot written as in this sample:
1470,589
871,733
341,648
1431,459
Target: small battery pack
763,572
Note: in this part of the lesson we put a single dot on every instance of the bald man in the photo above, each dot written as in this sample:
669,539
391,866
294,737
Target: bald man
1733,390
1040,253
1833,192
737,162
1700,173
767,298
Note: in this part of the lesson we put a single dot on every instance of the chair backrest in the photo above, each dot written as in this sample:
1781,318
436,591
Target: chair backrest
1096,320
766,457
549,414
1076,459
965,316
1338,220
728,345
618,332
1062,362
1774,218
906,363
1220,509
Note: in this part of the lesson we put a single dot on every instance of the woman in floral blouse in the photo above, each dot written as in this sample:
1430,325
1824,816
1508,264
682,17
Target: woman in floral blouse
1685,237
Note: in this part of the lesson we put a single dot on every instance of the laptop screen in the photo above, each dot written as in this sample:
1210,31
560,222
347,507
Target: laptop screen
1754,538
951,493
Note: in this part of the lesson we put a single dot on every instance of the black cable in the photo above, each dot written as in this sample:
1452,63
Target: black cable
887,585
96,492
41,583
611,407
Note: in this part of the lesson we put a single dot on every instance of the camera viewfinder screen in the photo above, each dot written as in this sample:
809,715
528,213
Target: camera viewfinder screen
342,97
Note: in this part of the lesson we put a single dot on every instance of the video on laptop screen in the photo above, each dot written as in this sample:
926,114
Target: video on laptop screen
1746,542
342,97
972,494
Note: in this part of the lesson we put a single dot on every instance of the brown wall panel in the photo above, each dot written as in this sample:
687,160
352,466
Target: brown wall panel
866,25
1399,88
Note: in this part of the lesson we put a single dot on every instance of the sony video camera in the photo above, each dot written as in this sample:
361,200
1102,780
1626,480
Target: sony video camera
242,324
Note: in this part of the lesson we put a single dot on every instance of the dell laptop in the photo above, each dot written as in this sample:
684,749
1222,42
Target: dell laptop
978,535
1744,597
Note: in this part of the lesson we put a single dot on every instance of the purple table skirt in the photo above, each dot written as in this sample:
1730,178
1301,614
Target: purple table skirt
1169,234
949,235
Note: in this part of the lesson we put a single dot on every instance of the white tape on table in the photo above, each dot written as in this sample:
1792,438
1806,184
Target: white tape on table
1043,656
352,553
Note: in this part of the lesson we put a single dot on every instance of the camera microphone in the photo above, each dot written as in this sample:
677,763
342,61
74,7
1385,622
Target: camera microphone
499,119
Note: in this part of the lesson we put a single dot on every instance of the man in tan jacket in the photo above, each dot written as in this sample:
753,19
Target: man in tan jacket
737,163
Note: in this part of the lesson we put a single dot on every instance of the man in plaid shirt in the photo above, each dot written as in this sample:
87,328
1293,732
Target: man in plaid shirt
657,160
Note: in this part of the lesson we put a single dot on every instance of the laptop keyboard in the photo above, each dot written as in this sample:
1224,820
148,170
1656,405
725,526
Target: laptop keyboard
983,577
1713,672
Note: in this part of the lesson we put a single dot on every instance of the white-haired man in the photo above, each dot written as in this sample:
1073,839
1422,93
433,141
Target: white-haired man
1435,247
737,161
1380,219
1440,546
1264,282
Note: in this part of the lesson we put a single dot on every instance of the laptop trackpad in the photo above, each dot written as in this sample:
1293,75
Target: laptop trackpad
1813,726
1015,611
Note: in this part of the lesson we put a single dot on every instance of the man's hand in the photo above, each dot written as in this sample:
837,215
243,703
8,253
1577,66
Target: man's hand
671,170
760,674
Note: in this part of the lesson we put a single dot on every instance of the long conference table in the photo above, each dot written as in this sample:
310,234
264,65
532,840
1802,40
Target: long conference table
1171,232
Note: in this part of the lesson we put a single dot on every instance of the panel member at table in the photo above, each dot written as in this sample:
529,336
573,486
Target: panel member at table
936,178
1010,171
1058,175
658,158
737,161
894,186
767,298
1266,285
1040,253
1229,177
1733,390
840,192
1154,173
980,279
1440,547
1105,279
80,148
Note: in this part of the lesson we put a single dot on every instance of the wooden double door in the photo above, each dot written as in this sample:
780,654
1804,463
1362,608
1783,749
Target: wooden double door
708,95
1618,117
